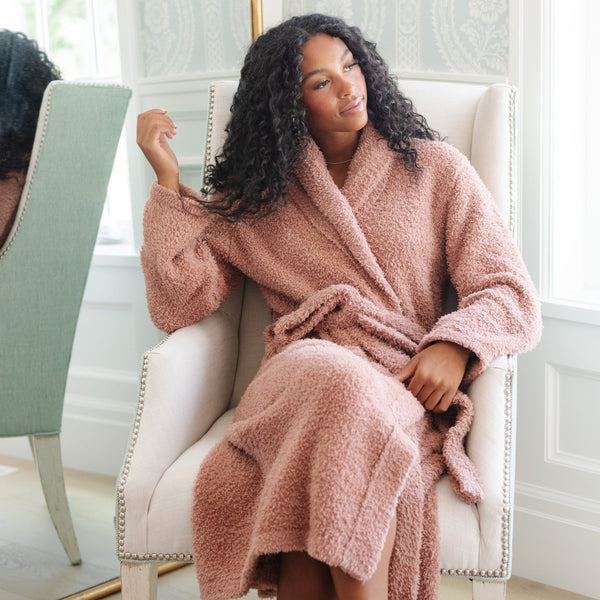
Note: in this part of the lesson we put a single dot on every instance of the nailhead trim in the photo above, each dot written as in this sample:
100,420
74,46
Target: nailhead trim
503,571
209,125
512,180
121,553
132,556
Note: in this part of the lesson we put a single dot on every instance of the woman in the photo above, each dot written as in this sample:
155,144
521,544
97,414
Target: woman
336,197
25,72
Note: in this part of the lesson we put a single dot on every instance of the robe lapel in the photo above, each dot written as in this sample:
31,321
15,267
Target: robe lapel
334,216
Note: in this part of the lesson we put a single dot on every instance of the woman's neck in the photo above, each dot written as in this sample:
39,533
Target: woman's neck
338,148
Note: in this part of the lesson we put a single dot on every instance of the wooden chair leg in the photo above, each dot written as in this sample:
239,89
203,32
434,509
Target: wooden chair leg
489,590
139,581
47,455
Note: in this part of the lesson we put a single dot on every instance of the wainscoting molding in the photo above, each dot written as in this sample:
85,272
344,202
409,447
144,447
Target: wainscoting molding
567,403
557,536
571,509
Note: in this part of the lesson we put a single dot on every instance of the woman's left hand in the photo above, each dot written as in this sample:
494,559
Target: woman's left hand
434,374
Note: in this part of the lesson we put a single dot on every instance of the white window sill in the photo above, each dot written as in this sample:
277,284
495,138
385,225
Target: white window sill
114,245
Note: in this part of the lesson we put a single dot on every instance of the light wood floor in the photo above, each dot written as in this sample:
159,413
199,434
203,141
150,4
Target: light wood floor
181,585
34,567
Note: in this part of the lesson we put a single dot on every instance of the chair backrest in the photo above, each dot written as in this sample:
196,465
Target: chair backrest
45,260
479,120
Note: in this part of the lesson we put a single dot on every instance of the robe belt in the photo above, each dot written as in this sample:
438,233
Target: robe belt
340,314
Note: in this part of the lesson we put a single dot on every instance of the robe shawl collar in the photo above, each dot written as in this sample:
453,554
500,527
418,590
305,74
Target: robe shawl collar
370,164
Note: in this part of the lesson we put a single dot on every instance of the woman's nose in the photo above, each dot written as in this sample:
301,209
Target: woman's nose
347,88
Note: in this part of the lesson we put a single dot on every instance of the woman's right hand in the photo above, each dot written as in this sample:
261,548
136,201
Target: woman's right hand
153,129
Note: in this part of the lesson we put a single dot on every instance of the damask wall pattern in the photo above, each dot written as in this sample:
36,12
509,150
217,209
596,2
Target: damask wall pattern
181,37
468,37
458,37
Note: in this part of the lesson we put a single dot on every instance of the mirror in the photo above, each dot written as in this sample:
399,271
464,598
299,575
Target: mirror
33,564
113,329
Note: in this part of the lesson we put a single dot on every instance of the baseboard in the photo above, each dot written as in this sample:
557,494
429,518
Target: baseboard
95,443
556,539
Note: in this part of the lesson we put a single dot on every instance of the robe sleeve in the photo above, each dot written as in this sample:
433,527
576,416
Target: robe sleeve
498,308
186,277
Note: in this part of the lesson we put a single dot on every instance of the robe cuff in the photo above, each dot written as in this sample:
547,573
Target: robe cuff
185,201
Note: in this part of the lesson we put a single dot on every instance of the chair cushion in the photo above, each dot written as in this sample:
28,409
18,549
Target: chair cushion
174,495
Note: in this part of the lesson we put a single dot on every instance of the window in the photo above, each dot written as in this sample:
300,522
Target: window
572,229
81,38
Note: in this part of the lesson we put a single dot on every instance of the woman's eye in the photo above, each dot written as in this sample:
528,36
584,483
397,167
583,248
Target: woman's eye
321,84
352,64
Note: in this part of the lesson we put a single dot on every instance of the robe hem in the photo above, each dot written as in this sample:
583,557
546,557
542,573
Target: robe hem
359,554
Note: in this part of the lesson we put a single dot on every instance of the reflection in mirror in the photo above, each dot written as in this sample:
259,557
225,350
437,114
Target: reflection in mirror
80,36
24,74
33,563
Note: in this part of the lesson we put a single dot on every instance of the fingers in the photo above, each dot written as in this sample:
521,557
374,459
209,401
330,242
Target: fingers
429,392
407,371
154,127
444,403
152,124
436,399
434,375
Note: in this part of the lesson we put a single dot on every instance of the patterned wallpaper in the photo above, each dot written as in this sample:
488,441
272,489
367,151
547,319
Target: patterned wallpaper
181,37
458,37
444,36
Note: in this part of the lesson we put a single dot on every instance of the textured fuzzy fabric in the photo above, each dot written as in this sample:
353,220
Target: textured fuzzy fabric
326,444
10,193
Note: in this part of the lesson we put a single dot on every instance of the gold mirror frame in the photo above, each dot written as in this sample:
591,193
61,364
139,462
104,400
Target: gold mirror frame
256,19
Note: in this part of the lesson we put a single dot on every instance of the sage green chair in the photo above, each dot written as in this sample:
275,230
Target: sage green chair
43,270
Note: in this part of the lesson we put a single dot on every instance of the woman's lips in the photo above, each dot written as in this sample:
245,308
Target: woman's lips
355,107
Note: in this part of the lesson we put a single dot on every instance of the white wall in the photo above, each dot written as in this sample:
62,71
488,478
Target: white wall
557,516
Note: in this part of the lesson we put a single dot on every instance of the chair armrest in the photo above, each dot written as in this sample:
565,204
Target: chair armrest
489,445
186,386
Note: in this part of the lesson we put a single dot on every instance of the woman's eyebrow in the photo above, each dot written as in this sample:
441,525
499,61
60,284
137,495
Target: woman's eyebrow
317,71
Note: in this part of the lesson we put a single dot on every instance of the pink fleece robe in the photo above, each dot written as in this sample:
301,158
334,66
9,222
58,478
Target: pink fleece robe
326,444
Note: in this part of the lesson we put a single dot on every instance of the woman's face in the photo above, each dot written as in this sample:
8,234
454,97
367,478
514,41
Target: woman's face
334,91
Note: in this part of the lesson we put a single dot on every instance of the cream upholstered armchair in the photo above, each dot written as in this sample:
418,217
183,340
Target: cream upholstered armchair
193,380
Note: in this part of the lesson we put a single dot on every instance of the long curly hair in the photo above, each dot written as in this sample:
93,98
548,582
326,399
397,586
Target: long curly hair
25,72
267,133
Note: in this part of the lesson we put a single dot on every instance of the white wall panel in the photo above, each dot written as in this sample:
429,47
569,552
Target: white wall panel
557,552
569,405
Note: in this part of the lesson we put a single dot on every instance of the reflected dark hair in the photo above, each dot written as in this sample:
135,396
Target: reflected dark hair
25,72
267,134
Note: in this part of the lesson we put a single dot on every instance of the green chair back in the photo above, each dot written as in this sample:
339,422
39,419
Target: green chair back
45,260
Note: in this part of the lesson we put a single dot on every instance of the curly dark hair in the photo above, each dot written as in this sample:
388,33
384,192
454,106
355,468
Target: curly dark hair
25,72
267,133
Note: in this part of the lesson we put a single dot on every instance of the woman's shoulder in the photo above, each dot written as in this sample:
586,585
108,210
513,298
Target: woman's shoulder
439,155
